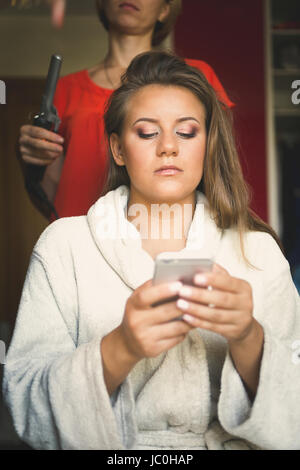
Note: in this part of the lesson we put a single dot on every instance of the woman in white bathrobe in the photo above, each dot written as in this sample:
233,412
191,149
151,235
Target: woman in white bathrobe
92,363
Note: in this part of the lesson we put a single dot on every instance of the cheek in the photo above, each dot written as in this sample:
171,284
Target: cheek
136,148
151,10
135,158
197,152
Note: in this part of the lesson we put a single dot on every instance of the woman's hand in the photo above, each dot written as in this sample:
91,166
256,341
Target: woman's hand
226,307
150,330
39,146
146,331
220,303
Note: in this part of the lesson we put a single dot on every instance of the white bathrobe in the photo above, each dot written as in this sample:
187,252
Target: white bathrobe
81,273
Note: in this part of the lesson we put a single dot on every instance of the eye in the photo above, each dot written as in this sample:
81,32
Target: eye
186,135
144,135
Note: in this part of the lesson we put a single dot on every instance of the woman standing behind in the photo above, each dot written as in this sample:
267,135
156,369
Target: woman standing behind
76,159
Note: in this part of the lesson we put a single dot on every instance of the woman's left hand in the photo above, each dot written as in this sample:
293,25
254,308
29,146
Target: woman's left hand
220,303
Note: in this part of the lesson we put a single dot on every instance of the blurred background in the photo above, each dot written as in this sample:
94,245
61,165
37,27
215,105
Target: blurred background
253,46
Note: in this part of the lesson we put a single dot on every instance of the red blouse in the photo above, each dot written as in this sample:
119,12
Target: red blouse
80,104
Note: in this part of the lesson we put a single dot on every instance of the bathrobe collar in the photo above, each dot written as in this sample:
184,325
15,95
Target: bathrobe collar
120,242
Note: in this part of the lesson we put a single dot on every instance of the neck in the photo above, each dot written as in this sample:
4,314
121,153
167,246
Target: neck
161,220
122,48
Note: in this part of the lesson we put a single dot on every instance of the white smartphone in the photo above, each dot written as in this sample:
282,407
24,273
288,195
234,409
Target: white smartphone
169,268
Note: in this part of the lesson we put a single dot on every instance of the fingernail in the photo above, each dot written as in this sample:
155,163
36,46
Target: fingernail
200,279
175,287
182,304
185,291
60,139
188,318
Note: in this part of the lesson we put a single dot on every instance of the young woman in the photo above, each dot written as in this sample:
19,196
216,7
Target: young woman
93,364
76,157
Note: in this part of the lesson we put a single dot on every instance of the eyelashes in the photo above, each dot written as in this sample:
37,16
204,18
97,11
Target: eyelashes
143,135
184,135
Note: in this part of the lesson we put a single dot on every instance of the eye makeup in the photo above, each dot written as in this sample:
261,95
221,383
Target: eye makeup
146,134
184,133
184,129
188,133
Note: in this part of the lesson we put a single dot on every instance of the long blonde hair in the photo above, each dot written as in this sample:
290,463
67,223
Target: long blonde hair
222,183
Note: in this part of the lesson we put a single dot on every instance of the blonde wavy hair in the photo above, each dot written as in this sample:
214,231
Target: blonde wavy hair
161,30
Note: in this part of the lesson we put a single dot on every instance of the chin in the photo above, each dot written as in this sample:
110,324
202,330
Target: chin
169,194
127,25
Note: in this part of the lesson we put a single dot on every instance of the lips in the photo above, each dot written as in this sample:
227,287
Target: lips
129,6
168,170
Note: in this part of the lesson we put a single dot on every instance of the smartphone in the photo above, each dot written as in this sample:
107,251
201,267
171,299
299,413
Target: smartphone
169,268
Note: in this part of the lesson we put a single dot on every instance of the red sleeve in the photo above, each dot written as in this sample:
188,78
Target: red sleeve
212,78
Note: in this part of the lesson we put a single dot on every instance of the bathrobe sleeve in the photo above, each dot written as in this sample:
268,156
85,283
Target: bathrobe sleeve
272,421
55,390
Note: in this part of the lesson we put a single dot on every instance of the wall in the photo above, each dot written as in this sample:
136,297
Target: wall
229,35
30,41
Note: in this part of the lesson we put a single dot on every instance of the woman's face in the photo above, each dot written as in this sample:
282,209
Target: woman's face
135,16
164,127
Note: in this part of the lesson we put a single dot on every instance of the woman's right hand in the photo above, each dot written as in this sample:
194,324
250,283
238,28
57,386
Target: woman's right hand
149,330
39,146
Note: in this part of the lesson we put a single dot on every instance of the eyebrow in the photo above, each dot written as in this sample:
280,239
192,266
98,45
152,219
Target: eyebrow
188,118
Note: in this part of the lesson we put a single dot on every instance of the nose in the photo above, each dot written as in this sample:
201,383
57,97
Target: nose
167,145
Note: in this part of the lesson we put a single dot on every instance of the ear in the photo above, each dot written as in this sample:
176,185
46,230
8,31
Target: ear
116,149
164,13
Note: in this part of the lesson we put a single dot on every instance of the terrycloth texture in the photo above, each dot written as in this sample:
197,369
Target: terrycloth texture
191,397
